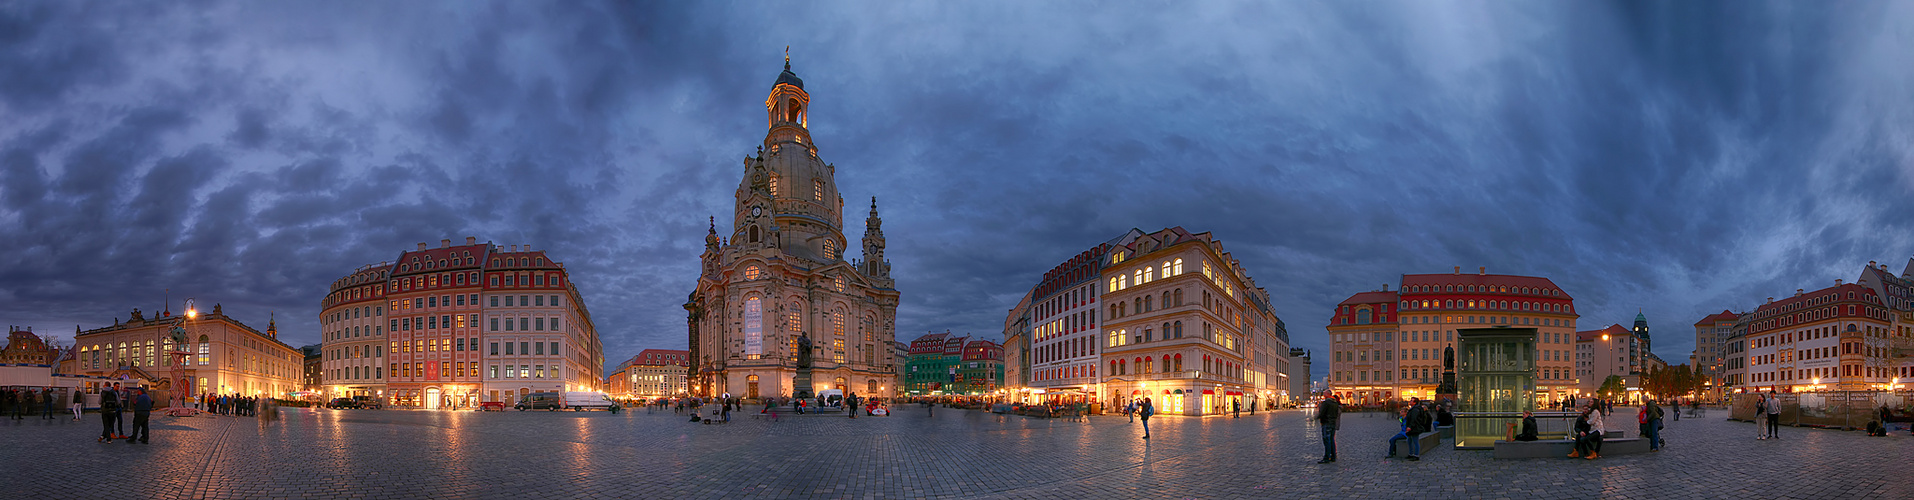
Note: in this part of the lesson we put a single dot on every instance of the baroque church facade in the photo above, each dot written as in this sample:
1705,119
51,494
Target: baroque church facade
776,296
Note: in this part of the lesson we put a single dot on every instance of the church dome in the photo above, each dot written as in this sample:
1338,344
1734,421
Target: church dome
788,77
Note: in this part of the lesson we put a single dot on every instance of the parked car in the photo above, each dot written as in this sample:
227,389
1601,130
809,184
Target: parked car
590,401
342,403
366,403
540,401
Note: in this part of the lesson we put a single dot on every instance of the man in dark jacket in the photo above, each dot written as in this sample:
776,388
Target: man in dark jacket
1529,431
1329,417
109,413
142,410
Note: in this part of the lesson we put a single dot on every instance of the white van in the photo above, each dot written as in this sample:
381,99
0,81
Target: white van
589,400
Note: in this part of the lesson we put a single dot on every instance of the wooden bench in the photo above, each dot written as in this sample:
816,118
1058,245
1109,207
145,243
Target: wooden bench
1429,441
1557,448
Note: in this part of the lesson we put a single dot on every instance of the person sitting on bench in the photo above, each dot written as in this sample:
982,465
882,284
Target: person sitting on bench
1528,427
1876,429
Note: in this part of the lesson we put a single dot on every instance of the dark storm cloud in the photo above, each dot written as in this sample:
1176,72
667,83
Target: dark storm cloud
1678,158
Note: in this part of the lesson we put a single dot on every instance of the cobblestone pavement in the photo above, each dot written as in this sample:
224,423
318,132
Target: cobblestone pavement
954,454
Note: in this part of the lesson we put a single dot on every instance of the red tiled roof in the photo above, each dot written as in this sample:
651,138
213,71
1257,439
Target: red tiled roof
1370,298
1865,294
1724,315
1512,281
1591,335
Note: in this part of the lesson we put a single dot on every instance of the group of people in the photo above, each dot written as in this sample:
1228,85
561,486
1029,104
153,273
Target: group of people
22,403
230,404
113,405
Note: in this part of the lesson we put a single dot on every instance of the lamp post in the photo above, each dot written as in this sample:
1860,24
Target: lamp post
179,354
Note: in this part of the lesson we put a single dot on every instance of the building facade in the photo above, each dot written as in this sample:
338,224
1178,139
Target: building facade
1184,325
779,277
1299,377
1611,351
652,373
453,326
1833,339
1390,345
26,348
227,357
1711,350
353,334
980,369
931,369
1064,343
312,376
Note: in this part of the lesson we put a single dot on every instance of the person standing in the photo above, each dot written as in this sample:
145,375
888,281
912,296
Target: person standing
1328,417
109,408
79,403
47,400
142,410
1774,415
1760,414
1650,419
1147,410
850,405
1236,408
119,410
1677,406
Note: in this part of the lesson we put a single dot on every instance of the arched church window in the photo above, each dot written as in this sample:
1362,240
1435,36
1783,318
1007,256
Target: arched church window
830,250
751,274
792,111
754,234
817,190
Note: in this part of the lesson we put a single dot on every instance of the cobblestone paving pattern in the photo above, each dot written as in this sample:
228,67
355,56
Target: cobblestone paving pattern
954,454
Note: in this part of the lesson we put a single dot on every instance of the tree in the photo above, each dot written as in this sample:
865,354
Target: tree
1612,388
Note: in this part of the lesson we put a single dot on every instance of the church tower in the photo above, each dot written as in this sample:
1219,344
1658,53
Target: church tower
779,278
1641,329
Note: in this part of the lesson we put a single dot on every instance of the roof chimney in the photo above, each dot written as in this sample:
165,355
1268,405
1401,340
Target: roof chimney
1798,292
1458,269
1837,282
1385,287
1770,300
471,240
445,243
528,247
1484,270
515,248
421,245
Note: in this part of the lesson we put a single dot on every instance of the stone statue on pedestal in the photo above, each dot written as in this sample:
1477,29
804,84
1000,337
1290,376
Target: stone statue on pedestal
1448,373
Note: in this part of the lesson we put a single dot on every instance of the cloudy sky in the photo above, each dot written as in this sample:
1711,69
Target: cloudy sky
1677,158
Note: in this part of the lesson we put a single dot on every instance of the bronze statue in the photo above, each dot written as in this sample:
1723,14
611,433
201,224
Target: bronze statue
804,351
1448,358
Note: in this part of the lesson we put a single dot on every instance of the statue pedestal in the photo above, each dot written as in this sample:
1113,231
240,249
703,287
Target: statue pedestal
801,385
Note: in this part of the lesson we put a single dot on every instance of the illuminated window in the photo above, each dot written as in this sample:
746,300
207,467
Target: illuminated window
1176,268
817,190
774,185
1123,282
1206,270
838,282
793,317
830,248
837,324
1113,284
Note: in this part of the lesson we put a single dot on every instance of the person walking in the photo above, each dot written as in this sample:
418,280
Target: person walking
1774,415
850,405
1236,408
1650,419
1328,417
109,409
142,410
79,403
47,401
1146,411
1677,406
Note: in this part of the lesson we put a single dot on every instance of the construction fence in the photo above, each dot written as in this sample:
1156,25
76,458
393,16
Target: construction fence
1836,409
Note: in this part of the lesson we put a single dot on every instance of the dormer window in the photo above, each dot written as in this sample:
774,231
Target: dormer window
817,190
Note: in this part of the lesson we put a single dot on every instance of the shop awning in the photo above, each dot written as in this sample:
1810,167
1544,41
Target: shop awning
1233,393
1207,391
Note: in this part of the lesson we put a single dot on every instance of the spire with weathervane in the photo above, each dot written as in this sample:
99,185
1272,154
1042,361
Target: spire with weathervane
874,264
